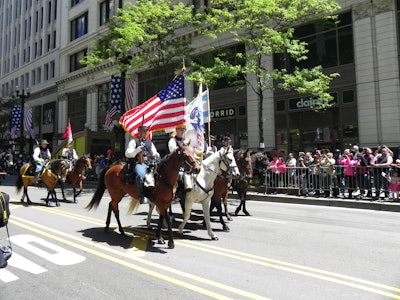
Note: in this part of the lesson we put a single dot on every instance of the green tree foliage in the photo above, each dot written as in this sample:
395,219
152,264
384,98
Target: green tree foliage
265,27
147,33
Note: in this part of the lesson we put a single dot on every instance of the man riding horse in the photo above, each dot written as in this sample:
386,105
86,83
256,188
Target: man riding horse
69,154
40,156
141,154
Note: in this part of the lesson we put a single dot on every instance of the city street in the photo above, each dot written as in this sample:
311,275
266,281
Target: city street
282,251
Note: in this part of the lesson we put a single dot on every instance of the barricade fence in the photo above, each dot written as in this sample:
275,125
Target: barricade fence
336,181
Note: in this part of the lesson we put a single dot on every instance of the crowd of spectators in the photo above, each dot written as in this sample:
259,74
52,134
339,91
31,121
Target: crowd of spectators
354,173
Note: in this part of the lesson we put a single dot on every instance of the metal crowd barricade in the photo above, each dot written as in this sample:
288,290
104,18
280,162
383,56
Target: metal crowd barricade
365,182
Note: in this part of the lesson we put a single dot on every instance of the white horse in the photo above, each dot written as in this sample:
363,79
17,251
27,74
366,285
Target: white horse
203,188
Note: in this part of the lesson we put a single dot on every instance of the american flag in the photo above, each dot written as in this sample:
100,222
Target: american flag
129,92
116,92
28,121
16,116
109,116
164,110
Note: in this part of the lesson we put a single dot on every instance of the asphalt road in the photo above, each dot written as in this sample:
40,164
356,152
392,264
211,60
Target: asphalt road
282,251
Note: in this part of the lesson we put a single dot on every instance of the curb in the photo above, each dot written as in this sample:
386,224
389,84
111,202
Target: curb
337,202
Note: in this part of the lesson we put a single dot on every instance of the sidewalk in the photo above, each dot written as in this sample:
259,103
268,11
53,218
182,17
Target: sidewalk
383,205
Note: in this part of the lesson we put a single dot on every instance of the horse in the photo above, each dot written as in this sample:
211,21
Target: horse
241,184
223,182
203,188
167,173
75,175
50,175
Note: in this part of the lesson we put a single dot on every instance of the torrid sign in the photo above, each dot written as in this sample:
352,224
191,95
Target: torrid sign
223,113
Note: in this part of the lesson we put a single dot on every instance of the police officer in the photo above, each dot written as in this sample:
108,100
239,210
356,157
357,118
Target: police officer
226,142
142,151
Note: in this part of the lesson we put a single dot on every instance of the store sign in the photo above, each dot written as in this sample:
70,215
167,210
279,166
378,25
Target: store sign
223,113
309,102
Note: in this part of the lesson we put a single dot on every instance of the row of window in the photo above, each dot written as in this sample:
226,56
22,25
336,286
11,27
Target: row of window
36,76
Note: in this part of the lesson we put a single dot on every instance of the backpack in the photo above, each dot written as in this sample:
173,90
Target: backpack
4,209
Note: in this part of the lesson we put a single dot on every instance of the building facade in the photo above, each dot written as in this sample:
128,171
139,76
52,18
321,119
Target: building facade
44,40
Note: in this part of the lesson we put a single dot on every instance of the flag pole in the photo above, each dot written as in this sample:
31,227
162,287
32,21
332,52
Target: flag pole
209,117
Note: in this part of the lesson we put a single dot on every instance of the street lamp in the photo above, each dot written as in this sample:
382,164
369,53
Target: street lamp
22,94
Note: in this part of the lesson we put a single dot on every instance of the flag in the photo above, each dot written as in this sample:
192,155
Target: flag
67,133
16,116
206,106
195,122
129,92
27,118
164,110
109,116
13,133
116,92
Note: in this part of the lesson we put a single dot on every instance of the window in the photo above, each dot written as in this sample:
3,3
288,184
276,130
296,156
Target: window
74,60
79,26
104,12
75,2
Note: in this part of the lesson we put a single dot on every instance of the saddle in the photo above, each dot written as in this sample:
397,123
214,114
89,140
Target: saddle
31,170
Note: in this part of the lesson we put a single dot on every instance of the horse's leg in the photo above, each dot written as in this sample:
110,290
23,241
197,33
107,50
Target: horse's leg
151,208
221,219
108,218
225,201
62,190
116,214
244,205
240,205
27,196
186,215
55,198
160,239
171,244
206,212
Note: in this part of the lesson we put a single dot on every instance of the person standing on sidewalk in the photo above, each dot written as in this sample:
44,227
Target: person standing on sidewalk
381,165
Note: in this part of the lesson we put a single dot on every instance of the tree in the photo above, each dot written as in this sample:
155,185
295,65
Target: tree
265,27
147,33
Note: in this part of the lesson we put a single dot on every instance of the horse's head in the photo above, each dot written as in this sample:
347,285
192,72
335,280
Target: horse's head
228,160
88,161
243,161
186,158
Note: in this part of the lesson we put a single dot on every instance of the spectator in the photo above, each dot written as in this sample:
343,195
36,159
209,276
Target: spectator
348,160
382,163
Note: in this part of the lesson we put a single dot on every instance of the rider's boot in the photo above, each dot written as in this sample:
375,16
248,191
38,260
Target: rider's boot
37,177
142,198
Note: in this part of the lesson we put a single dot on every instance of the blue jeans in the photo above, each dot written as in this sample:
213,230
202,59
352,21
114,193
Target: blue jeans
39,166
140,171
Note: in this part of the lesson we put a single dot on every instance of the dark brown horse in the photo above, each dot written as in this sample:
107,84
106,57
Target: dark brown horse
54,171
223,182
241,184
75,176
113,180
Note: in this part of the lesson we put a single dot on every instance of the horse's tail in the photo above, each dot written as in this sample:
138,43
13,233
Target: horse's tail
18,182
101,187
133,206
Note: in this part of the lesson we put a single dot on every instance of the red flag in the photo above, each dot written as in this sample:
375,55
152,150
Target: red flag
68,132
164,110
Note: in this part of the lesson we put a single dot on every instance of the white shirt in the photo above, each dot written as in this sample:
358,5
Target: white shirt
69,153
132,150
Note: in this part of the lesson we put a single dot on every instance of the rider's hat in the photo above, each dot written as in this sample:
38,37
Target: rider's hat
226,139
44,142
181,127
142,127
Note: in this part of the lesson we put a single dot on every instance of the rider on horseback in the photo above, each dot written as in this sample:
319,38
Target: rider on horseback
40,155
69,154
185,182
140,153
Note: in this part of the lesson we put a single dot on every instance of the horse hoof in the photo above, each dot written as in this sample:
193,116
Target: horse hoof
236,212
58,204
226,228
214,238
229,218
247,213
171,245
161,241
75,201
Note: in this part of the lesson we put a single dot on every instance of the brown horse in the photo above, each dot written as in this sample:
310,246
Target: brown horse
241,184
75,175
223,182
167,173
51,174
